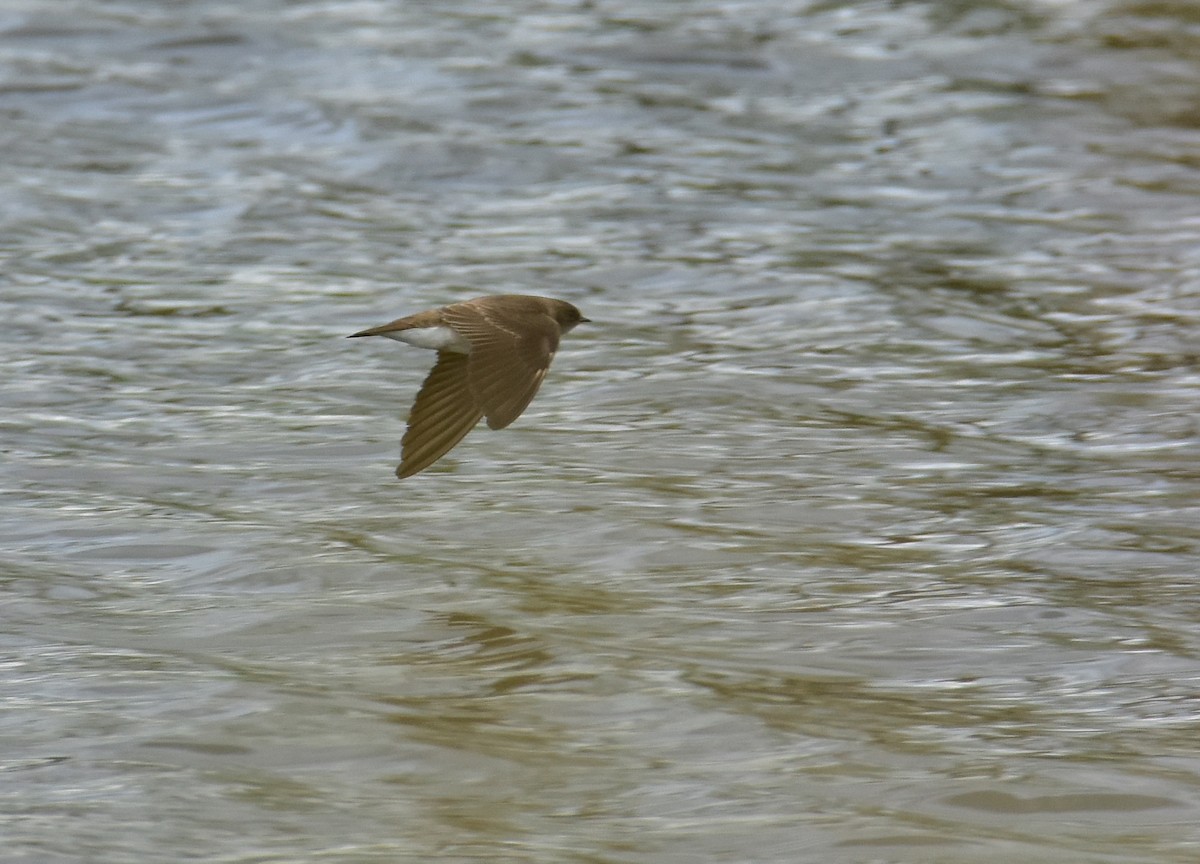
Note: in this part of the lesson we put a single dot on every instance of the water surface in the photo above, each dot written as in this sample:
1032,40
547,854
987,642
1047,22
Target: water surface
861,525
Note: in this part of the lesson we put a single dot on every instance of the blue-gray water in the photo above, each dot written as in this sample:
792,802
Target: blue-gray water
860,526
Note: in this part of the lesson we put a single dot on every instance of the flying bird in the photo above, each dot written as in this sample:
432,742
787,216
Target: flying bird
492,354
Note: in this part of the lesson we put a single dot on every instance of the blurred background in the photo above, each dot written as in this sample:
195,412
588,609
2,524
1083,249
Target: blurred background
860,526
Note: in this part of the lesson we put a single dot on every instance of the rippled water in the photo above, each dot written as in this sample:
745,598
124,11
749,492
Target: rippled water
861,526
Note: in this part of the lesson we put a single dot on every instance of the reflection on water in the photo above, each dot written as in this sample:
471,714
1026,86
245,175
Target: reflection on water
861,525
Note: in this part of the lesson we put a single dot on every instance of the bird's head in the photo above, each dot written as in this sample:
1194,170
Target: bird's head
567,315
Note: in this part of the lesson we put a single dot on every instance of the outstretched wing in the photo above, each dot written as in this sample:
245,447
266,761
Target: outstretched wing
510,353
444,412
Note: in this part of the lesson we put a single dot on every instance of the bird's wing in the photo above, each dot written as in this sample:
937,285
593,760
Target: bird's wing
444,412
508,358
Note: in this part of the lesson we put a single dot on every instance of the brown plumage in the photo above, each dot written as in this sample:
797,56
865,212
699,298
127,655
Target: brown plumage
493,353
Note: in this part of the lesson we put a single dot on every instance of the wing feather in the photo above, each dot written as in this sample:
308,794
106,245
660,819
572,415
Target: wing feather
444,412
511,350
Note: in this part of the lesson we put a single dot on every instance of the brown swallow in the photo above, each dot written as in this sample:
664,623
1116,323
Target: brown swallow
493,353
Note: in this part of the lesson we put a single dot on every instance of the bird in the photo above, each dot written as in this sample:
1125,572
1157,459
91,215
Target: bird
492,355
